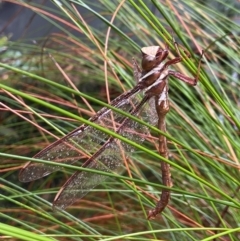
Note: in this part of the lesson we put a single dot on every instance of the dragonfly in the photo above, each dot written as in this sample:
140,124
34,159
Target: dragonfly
94,149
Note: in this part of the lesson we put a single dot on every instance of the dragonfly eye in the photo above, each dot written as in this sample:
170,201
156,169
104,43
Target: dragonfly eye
148,62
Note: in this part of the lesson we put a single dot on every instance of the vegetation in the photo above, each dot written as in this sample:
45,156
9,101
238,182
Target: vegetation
50,86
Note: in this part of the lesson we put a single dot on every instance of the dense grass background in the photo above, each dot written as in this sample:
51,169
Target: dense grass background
47,86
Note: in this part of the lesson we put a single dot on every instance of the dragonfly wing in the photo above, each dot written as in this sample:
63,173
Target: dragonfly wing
86,140
78,145
110,159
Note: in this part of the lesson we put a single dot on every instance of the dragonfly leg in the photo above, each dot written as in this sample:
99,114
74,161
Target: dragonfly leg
137,72
189,80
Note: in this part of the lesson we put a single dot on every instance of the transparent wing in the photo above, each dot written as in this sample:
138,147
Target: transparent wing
78,145
85,142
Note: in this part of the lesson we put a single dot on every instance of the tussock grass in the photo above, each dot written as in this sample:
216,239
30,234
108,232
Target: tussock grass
49,88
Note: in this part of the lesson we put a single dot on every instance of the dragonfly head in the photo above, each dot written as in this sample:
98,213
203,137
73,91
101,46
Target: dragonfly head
152,56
